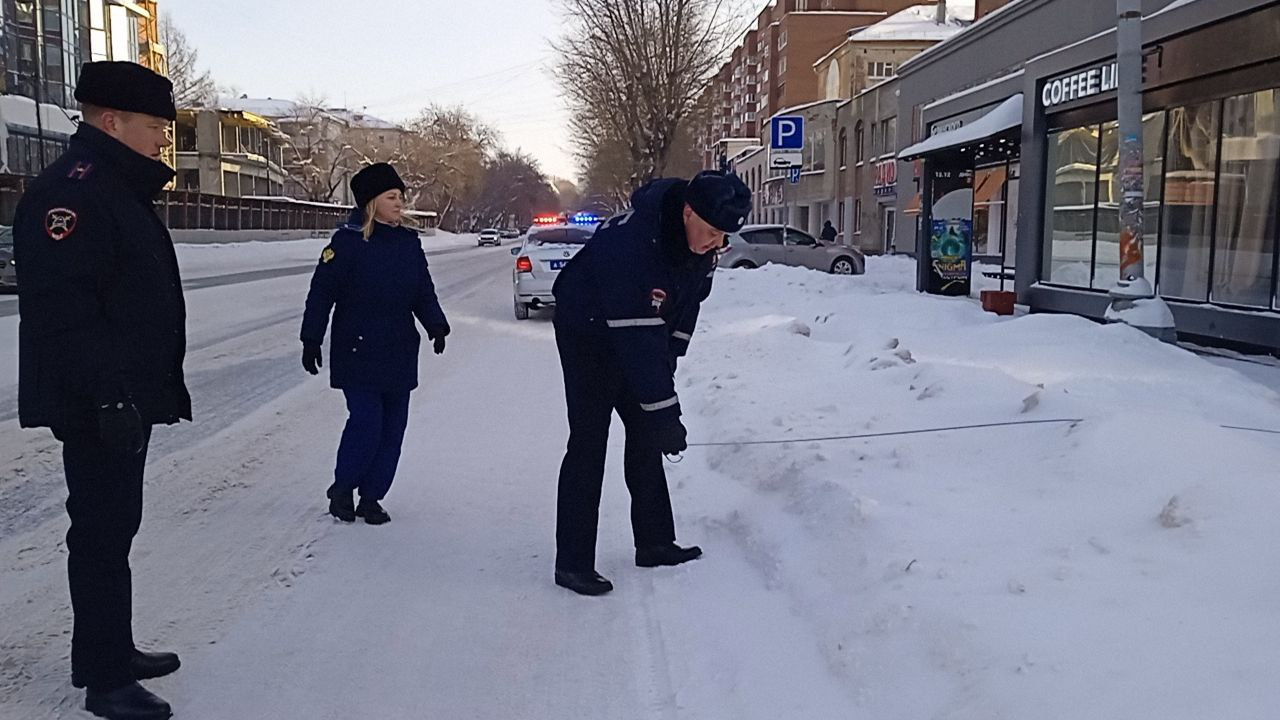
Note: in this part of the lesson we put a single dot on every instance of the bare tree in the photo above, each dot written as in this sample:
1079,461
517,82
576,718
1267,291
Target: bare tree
633,72
192,86
445,160
320,158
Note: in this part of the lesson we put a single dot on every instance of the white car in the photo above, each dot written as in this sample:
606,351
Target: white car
490,236
545,251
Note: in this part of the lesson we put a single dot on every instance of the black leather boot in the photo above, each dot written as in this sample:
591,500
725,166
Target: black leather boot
341,505
660,555
583,583
131,702
145,666
372,512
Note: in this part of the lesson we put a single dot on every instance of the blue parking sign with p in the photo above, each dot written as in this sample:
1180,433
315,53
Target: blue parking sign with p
787,133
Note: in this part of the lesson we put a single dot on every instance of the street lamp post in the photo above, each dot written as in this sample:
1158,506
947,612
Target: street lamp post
1133,300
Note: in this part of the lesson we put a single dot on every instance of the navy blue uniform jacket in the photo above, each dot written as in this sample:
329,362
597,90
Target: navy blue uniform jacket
375,288
103,319
634,291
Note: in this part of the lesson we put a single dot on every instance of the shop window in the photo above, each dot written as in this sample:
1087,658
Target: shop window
1187,221
1071,194
1247,206
988,209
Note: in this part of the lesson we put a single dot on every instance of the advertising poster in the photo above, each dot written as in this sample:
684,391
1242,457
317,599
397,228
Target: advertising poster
950,256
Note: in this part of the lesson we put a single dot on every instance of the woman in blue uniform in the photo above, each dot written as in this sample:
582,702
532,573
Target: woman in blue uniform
373,275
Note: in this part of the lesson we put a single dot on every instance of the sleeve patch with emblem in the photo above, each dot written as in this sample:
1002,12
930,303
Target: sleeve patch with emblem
327,255
59,223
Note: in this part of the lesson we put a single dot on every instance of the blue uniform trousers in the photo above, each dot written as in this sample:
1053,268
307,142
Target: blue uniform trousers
594,389
371,441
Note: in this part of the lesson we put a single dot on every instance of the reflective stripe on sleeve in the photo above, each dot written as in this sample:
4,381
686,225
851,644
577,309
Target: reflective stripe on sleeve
635,322
654,407
682,336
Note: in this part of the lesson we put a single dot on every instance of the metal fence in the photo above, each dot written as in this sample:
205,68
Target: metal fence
190,210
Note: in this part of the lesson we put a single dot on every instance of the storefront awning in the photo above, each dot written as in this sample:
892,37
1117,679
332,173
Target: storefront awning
1002,117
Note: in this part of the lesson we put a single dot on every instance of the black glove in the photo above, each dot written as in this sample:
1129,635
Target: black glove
120,427
311,358
671,437
437,344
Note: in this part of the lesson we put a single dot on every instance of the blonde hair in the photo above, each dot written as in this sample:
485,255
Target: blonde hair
369,211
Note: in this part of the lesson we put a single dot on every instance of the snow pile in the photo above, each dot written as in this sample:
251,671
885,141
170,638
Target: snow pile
1123,566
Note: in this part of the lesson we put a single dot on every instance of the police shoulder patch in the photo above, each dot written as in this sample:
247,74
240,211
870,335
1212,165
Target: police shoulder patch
327,255
60,222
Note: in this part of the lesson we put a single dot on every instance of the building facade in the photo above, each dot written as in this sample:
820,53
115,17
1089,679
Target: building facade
227,152
772,67
1211,136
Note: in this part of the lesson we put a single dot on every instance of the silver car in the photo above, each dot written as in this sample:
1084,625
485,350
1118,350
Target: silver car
8,271
545,251
755,245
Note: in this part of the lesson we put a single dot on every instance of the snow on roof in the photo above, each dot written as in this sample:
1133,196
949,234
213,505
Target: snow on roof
917,58
918,23
266,107
797,108
361,119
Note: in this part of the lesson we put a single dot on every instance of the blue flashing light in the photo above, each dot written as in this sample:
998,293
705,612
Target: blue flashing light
586,218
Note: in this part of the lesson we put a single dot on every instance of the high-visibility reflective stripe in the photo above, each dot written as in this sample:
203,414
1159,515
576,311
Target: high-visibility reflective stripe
654,407
635,322
682,336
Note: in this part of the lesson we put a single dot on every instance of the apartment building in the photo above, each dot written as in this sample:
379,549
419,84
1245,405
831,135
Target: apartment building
772,67
229,152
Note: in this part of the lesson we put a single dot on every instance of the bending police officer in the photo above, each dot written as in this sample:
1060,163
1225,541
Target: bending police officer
101,345
626,308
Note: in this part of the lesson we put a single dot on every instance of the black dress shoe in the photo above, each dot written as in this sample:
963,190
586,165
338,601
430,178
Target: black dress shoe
145,666
372,512
583,583
660,555
341,505
131,702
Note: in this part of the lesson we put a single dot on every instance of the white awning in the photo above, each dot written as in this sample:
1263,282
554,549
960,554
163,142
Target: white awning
1002,117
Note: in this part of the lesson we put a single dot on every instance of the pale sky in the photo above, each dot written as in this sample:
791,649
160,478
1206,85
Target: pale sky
394,57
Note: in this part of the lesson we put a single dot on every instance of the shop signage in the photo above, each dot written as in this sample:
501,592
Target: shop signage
945,126
886,178
1079,85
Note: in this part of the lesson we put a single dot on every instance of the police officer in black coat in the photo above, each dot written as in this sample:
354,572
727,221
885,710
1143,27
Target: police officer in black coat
373,276
626,307
101,345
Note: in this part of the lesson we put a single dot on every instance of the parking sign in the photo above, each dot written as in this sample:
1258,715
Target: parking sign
786,142
787,133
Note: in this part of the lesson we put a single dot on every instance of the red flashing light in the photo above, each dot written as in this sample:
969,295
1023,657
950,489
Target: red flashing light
523,264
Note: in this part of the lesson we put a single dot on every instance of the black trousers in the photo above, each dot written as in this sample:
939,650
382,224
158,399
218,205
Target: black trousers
594,389
105,504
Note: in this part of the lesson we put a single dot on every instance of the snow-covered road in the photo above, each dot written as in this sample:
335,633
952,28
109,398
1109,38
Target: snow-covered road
1040,571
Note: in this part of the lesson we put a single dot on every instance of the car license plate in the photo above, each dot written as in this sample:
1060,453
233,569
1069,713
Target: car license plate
557,264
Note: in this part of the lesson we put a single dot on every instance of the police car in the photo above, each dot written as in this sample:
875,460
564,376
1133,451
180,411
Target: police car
551,243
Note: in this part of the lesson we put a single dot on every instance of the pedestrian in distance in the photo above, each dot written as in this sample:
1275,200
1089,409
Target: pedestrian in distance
373,277
829,233
626,308
101,346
